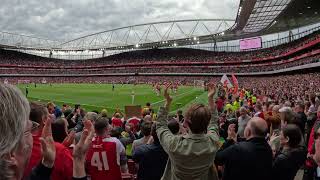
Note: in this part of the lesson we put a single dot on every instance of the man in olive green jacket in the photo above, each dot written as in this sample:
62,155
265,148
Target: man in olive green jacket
192,155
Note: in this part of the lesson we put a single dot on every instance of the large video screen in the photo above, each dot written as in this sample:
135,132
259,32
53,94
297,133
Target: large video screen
252,43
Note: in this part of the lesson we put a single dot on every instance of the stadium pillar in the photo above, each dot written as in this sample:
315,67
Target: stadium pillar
50,55
290,36
214,45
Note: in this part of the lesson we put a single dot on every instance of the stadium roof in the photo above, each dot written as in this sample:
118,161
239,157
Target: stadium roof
269,16
254,18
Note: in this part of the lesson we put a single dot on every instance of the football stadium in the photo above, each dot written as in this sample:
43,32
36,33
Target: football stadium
160,90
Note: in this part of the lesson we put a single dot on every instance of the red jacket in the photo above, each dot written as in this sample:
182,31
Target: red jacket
62,169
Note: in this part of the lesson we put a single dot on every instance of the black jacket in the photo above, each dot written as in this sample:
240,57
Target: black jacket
249,160
287,163
152,161
301,121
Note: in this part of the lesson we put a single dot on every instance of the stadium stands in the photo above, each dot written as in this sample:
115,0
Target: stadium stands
179,60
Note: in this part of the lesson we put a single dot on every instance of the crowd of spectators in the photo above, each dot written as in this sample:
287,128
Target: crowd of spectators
266,129
245,68
176,55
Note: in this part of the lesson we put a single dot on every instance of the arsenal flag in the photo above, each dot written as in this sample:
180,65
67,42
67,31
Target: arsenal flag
226,82
235,83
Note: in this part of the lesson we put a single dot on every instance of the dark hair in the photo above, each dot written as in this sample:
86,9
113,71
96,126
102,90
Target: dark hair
76,106
37,111
148,104
67,112
300,104
154,132
58,130
146,128
116,132
100,125
293,133
198,117
95,111
174,126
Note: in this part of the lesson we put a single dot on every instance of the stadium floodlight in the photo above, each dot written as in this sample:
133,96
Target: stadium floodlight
175,44
198,42
222,33
137,45
194,38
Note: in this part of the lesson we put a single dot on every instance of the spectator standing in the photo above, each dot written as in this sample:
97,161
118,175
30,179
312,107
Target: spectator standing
152,158
250,159
292,156
192,155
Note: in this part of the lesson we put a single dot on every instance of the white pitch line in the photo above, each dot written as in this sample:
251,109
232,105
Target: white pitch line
173,96
72,103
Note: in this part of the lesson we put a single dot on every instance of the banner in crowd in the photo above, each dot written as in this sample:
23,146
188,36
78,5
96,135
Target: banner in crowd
226,82
235,83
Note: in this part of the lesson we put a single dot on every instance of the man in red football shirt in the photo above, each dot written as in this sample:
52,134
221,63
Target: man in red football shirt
106,157
63,162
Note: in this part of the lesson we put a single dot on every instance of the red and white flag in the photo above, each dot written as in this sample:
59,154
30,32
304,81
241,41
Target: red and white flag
235,83
226,82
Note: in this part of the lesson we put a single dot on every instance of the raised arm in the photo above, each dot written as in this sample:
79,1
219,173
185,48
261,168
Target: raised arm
165,136
80,151
213,124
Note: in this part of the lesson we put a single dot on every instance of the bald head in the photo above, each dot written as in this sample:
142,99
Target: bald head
147,118
257,127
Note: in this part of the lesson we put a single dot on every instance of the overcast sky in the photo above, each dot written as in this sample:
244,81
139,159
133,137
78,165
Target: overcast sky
68,19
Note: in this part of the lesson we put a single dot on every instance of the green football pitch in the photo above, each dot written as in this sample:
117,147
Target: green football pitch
100,96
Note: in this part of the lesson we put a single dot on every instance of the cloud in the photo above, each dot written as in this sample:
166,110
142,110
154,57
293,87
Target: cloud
68,19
